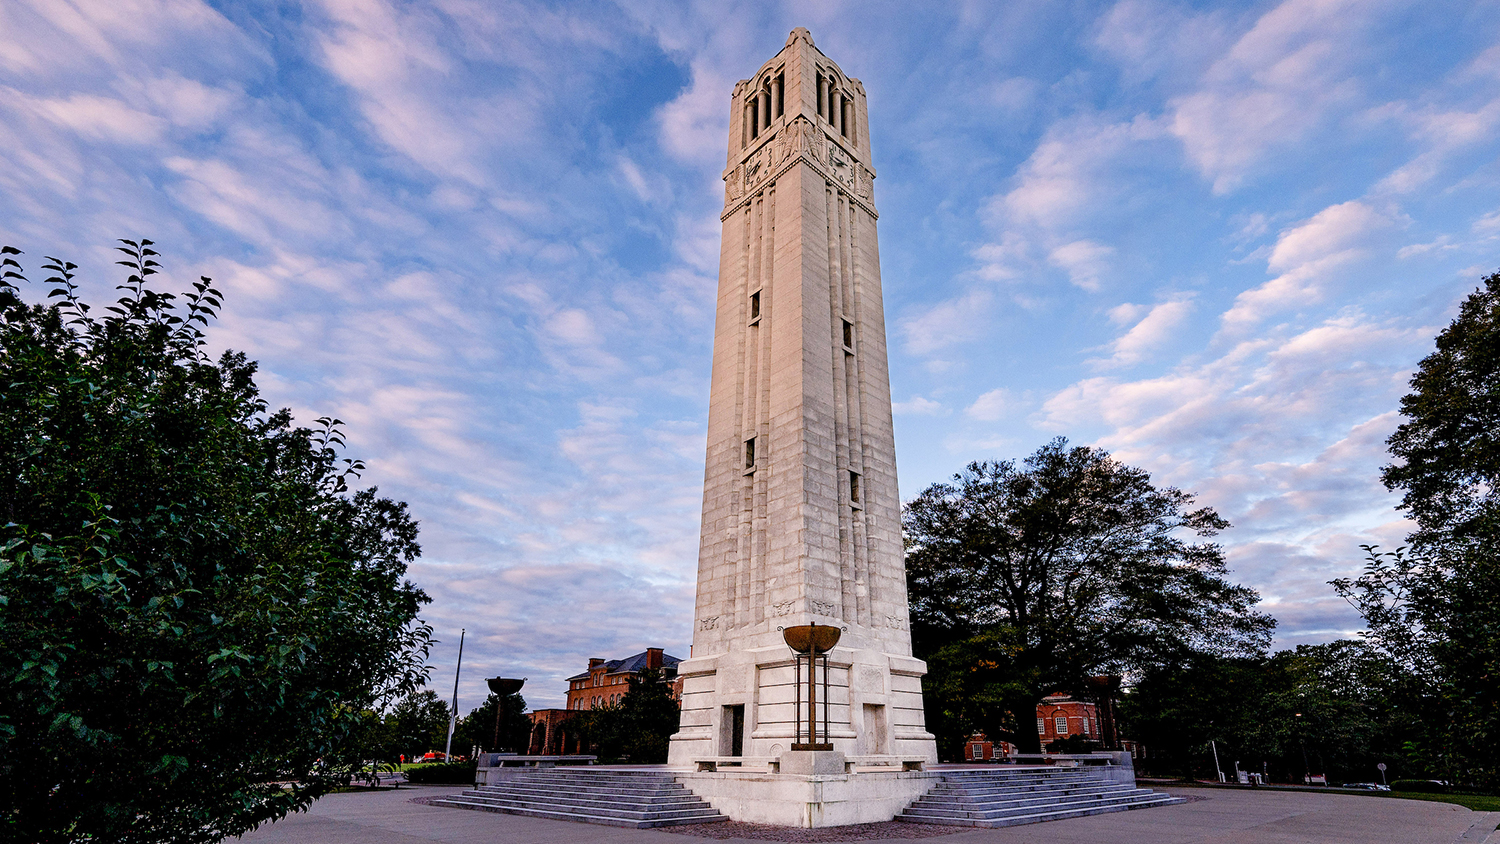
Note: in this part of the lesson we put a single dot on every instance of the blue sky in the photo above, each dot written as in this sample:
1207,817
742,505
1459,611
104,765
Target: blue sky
1214,239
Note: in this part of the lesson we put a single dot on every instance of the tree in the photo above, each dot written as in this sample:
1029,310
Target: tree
1448,449
194,607
417,724
639,726
1068,566
511,732
1435,608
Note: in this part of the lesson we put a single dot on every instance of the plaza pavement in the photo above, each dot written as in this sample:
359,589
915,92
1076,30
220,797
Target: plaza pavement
1221,817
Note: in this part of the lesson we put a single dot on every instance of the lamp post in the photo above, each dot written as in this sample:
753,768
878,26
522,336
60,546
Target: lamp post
504,687
812,641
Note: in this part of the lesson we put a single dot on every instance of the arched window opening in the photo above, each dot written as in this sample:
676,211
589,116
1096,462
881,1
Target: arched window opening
780,89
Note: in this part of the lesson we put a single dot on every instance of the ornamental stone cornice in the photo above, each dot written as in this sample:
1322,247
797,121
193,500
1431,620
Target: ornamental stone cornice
799,140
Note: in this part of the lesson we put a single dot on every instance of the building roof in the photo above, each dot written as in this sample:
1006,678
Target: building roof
629,664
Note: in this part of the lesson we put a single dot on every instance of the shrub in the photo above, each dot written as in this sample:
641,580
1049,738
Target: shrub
1423,786
443,773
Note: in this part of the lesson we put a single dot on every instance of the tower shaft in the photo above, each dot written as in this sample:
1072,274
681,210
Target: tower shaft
801,512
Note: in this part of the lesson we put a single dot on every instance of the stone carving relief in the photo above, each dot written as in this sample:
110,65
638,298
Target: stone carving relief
734,184
895,622
783,607
820,608
800,137
710,623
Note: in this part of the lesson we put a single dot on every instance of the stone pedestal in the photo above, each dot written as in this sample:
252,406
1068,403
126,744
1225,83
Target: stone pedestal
813,762
810,800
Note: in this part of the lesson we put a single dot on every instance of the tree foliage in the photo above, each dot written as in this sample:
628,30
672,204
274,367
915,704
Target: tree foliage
1448,448
1435,608
1336,709
510,733
194,607
637,728
1028,579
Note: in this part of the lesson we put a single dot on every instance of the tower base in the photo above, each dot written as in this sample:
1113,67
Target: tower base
810,800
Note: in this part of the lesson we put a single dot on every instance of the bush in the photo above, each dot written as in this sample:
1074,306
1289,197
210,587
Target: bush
443,773
1422,786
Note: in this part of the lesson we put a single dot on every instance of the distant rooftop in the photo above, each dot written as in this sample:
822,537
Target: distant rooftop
629,664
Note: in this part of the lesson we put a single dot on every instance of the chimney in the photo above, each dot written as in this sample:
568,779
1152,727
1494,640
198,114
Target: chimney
595,662
653,657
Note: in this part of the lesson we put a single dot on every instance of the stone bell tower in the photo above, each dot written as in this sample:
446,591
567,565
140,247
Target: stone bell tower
801,514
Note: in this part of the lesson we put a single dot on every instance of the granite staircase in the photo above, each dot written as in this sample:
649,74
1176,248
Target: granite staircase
637,799
999,797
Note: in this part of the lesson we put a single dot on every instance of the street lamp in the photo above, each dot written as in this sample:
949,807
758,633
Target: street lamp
503,687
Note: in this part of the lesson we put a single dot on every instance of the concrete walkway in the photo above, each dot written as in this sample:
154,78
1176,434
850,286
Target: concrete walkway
1225,817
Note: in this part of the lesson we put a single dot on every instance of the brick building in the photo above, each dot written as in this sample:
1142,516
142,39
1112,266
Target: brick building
606,681
1058,716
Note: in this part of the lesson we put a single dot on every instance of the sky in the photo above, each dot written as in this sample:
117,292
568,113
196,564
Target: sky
1213,239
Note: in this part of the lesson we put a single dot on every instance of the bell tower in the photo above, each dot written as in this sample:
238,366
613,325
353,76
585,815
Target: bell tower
801,512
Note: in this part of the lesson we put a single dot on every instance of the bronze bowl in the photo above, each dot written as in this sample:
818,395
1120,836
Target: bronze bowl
818,638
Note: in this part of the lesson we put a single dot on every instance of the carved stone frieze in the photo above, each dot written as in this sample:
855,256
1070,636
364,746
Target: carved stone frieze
799,138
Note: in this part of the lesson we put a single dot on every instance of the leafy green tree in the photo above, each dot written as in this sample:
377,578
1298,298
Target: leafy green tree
417,724
194,608
511,732
1067,566
639,726
1435,608
1336,709
1448,448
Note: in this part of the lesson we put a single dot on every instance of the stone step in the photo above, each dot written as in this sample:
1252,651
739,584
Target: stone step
579,817
637,799
995,798
1038,817
609,810
998,810
987,790
602,800
573,788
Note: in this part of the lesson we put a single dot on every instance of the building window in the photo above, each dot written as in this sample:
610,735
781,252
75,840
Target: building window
854,487
750,453
1062,725
755,305
848,334
978,751
1041,726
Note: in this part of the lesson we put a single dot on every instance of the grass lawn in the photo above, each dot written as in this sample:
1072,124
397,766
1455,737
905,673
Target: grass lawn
1477,802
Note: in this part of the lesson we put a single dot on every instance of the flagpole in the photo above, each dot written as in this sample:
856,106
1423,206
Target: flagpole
453,714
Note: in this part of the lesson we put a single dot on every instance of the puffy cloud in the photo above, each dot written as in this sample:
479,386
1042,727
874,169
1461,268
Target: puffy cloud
917,406
1152,329
991,406
1278,81
1308,258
